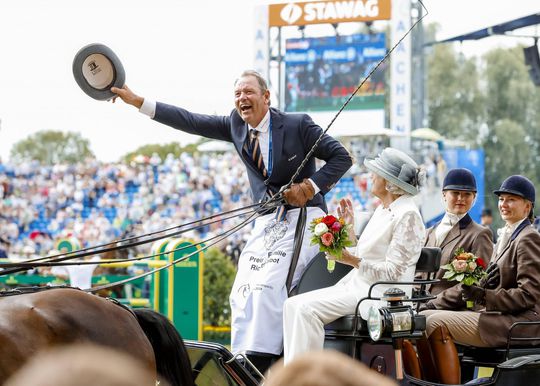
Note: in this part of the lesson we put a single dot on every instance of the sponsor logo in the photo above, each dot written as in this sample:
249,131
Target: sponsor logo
291,13
372,52
330,11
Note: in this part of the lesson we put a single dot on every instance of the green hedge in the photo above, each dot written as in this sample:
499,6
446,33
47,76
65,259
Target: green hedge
219,272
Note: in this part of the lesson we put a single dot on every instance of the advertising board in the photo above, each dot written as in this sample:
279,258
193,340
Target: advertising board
321,73
333,11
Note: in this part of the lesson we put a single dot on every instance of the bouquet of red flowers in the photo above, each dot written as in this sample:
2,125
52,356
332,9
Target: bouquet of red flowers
332,235
465,268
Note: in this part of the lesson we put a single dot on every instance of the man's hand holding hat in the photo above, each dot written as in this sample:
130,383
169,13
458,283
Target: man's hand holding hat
299,194
127,96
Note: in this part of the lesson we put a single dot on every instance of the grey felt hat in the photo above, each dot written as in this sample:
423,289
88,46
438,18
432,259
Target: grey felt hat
96,69
397,168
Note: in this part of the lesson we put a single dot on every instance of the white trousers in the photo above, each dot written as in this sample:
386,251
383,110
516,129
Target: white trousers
305,315
259,289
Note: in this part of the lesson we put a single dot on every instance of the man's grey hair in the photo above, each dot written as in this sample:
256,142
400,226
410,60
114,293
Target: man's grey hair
262,82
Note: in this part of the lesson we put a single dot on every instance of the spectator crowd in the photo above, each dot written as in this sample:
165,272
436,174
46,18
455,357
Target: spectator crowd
97,203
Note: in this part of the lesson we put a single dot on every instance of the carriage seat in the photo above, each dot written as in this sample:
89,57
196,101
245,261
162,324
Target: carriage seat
428,263
316,275
492,356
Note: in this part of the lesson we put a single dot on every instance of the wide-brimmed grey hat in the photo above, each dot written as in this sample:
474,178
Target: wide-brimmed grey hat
397,168
96,69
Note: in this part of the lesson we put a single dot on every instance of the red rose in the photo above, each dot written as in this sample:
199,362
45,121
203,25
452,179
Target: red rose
327,239
335,227
481,262
329,220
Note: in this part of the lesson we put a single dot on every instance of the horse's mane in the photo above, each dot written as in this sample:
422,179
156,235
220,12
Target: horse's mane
168,347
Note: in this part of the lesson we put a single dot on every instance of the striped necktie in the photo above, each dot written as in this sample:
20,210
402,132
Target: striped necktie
254,150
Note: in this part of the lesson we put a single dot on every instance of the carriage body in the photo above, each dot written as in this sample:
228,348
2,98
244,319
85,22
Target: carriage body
221,367
350,335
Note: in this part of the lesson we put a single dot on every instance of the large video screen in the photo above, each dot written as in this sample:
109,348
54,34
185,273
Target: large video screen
321,73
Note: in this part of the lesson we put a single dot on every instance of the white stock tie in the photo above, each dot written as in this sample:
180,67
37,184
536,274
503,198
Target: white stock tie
442,230
504,235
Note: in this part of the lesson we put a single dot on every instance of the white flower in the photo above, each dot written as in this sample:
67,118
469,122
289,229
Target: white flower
320,229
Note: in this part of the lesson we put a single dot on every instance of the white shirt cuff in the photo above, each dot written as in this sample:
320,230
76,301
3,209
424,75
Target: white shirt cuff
317,190
148,108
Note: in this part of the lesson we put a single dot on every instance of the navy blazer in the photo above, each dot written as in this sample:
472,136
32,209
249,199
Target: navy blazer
293,136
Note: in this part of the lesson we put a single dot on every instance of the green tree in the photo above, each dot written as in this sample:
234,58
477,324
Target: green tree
512,139
492,104
508,87
51,147
513,97
162,151
506,153
455,99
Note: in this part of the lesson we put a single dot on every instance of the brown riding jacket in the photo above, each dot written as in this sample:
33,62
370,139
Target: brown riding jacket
517,298
466,234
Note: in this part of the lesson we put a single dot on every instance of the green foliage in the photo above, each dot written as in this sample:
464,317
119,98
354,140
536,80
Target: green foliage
508,86
455,100
162,151
219,273
51,147
491,103
506,152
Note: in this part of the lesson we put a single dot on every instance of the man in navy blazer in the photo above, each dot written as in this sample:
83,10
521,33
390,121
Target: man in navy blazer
284,141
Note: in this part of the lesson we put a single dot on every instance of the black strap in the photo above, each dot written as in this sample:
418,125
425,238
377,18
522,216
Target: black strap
298,239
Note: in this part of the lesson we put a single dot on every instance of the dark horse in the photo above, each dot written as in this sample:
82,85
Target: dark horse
34,319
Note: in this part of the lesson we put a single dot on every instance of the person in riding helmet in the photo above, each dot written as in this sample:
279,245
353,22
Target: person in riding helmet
457,230
510,291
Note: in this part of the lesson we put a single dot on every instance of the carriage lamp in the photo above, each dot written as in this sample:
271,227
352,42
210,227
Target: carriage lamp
394,320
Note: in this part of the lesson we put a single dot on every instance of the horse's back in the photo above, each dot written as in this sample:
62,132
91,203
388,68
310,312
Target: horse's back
32,321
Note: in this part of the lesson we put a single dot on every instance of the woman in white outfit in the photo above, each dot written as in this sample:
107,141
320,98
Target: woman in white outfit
388,249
